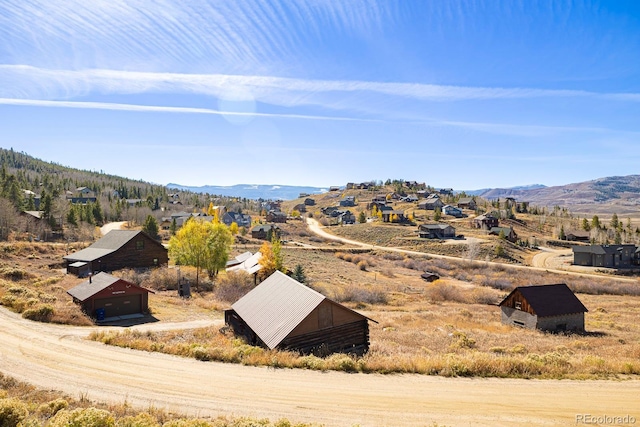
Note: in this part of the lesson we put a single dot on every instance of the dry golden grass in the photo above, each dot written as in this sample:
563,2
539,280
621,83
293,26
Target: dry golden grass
448,327
24,405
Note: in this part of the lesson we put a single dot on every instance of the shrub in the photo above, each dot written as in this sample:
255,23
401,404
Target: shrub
82,417
51,408
187,423
12,412
143,419
41,313
361,294
362,265
233,286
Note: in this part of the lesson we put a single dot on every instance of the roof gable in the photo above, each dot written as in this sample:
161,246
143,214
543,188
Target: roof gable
110,242
276,306
95,284
115,239
550,300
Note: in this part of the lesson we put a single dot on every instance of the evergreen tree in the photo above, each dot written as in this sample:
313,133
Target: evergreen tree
151,227
97,213
298,274
614,221
362,217
71,217
437,214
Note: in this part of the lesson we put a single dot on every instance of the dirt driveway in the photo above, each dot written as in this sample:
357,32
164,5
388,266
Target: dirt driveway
56,357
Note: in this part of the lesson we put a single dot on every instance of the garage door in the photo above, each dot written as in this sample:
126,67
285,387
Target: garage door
120,306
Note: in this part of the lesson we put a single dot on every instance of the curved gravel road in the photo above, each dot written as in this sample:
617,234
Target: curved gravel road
57,357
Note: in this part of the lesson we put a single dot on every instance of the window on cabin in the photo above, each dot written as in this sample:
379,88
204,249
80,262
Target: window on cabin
516,322
518,305
140,245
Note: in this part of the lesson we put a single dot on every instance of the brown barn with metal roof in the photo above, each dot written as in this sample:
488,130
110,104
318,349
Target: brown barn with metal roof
104,296
547,307
285,314
118,249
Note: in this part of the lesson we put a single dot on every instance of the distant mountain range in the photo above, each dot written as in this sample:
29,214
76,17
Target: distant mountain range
518,188
619,194
249,191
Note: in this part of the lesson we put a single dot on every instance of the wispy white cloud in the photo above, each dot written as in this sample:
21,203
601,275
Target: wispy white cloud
161,109
33,82
174,34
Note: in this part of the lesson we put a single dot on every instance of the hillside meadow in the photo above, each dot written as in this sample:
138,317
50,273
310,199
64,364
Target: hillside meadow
450,327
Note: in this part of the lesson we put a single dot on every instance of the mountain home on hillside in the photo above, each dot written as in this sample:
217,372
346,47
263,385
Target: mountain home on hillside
116,250
578,236
452,211
345,217
607,256
265,231
393,215
507,232
552,308
348,201
81,196
243,220
485,221
431,203
467,203
276,216
436,231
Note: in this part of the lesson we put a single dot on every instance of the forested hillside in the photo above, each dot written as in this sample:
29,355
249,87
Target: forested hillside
47,190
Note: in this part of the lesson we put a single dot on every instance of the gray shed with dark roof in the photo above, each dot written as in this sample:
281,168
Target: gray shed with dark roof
547,307
283,313
120,249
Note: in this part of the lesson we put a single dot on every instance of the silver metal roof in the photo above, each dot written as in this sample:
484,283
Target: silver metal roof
276,306
110,242
250,265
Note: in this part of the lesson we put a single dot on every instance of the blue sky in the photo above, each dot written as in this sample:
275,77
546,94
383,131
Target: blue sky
461,94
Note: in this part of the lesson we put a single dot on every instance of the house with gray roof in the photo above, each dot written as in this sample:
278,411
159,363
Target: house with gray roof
285,314
431,203
507,232
116,250
243,220
467,203
608,256
265,231
436,231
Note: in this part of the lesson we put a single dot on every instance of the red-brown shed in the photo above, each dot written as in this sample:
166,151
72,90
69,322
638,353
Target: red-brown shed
105,296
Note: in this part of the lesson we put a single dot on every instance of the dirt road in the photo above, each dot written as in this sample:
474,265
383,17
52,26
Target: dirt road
542,263
56,357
